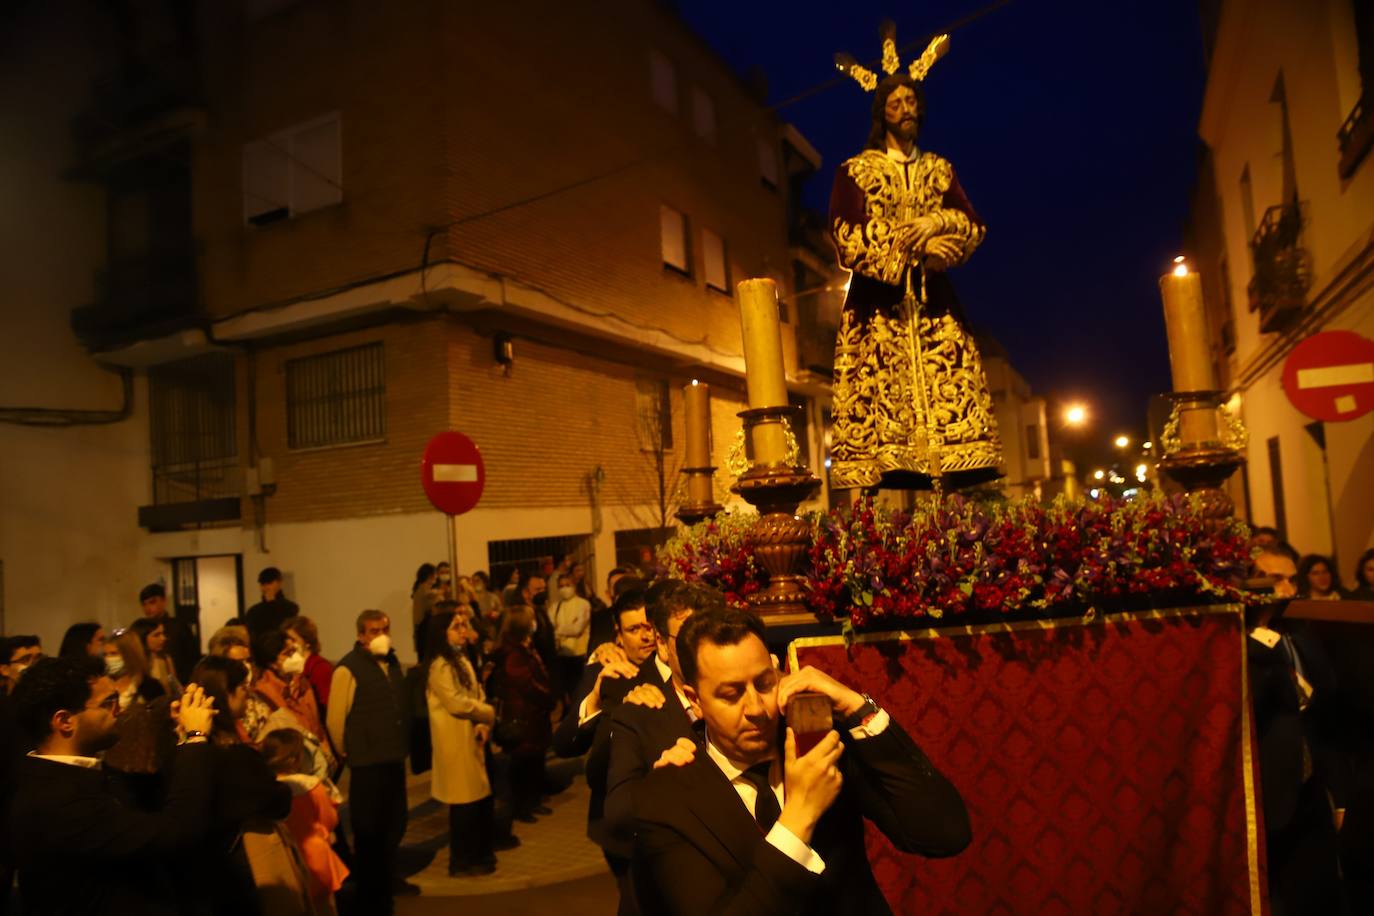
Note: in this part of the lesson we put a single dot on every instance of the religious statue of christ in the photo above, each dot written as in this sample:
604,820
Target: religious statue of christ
911,402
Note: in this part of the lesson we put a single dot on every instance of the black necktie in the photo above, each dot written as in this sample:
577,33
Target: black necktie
766,809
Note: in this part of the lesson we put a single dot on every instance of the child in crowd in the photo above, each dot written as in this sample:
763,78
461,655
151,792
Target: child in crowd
313,816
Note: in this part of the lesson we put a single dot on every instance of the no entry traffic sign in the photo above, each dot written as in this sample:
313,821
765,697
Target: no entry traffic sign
452,473
1330,376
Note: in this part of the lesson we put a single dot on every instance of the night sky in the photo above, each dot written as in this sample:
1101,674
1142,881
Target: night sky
1073,128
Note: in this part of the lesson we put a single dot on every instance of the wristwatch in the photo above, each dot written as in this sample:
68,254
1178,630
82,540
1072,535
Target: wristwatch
861,717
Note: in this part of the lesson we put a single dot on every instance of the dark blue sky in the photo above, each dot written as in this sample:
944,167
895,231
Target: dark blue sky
1073,127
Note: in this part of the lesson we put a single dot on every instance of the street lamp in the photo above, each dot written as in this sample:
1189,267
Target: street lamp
1122,441
1075,415
1099,474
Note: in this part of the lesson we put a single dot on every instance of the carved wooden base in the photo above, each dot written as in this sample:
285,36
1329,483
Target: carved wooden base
781,539
1202,472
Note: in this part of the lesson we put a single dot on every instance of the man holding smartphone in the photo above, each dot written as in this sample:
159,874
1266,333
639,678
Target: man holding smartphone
748,825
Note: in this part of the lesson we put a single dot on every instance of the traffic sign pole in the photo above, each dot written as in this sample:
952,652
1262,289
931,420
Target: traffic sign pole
453,476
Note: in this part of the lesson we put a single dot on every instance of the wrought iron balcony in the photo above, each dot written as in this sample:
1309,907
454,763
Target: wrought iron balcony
1356,137
138,298
1283,268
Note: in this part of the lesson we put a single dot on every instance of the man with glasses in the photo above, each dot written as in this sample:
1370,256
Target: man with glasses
79,848
614,670
655,716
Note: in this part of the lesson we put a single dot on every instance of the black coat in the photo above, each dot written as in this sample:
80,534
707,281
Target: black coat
573,738
698,849
246,793
637,737
80,850
266,616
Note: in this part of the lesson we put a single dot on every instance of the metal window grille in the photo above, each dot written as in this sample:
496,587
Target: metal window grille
530,555
194,440
336,398
631,543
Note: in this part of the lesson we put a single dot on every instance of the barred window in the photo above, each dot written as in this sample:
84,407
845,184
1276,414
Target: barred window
193,437
336,398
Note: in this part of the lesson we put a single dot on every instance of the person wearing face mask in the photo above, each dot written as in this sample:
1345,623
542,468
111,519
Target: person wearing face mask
285,696
368,720
572,620
138,759
460,721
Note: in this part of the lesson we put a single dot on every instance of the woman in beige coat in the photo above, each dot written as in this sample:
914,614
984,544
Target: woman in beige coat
460,723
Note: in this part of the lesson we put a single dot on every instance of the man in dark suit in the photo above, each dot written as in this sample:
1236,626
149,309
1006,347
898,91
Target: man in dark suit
657,714
746,825
80,849
1296,702
606,682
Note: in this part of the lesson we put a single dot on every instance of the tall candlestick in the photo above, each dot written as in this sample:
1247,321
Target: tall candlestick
765,377
696,399
758,312
1190,357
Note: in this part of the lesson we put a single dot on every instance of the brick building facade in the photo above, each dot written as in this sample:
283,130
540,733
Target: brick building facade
324,232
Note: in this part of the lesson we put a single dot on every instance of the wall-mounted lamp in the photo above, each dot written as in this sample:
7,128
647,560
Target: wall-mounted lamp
503,351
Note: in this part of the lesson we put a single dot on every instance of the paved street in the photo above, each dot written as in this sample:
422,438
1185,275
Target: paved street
555,864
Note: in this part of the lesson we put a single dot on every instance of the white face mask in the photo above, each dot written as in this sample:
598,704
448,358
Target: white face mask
294,664
567,592
114,665
380,645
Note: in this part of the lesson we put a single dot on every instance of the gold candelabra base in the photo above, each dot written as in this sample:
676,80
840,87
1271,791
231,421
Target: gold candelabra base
781,539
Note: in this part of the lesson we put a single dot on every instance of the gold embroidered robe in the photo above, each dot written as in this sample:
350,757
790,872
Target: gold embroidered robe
911,401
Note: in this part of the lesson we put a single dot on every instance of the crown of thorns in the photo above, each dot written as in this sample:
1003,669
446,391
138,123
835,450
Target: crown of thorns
891,62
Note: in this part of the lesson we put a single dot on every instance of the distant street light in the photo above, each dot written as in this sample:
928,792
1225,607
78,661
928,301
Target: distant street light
1148,445
1122,441
1075,415
1098,475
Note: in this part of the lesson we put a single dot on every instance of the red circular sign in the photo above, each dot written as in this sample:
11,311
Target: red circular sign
1330,376
452,473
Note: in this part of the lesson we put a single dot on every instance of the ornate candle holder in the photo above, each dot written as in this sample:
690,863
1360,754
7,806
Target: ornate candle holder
781,538
695,511
1203,465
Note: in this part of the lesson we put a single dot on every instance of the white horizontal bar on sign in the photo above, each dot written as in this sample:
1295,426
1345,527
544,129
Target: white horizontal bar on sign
455,473
1329,376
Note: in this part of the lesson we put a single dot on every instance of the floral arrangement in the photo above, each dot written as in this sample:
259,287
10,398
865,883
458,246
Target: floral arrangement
876,565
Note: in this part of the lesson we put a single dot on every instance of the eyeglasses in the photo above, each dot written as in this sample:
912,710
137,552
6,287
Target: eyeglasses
111,703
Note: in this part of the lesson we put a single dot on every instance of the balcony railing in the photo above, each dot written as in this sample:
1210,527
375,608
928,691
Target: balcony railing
194,494
1283,268
1356,137
138,297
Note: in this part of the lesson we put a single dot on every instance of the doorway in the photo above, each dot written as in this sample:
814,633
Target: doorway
207,592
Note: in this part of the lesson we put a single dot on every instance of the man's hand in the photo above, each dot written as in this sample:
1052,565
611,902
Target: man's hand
196,711
482,734
843,701
606,653
811,783
613,670
646,695
679,755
